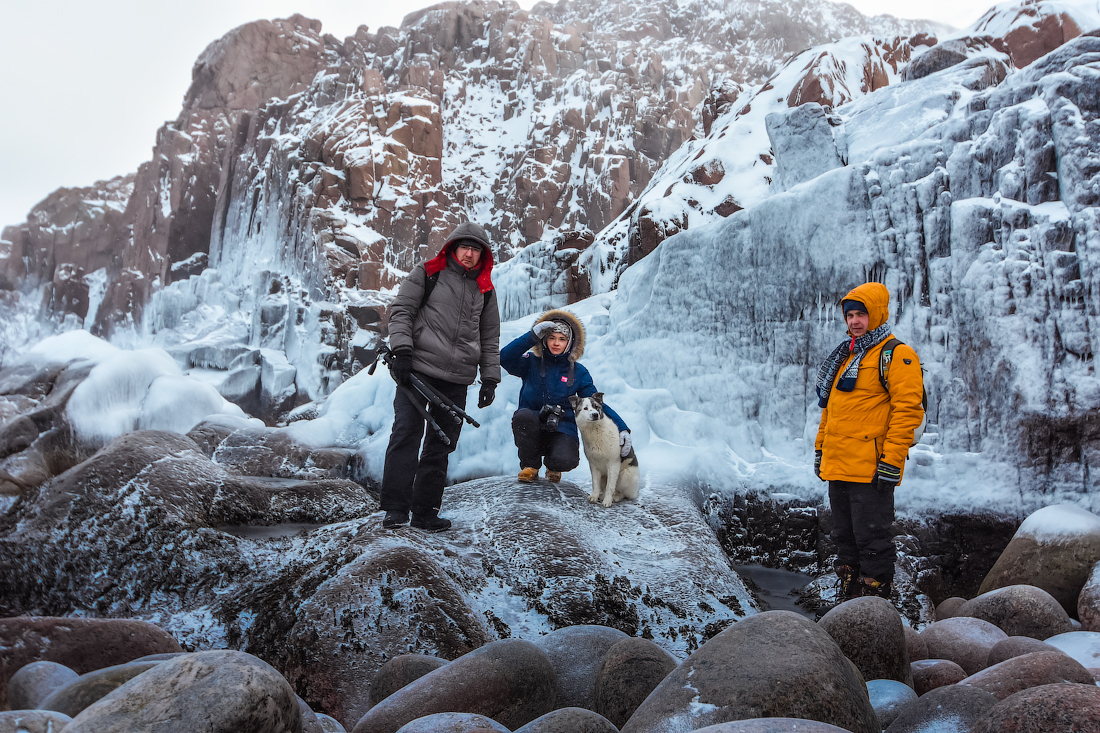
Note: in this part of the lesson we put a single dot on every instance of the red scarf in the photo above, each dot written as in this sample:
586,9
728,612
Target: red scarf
484,279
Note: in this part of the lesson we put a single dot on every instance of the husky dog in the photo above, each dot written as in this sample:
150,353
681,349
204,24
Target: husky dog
614,476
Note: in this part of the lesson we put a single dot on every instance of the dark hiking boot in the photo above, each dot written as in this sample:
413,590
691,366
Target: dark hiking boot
553,476
395,519
431,523
848,587
879,588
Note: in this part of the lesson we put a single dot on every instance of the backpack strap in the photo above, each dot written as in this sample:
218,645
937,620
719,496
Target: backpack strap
429,285
884,358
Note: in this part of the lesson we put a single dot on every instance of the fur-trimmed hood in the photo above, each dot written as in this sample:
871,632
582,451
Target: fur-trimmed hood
576,350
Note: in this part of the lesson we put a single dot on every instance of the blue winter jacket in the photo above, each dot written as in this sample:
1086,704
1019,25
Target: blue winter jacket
553,389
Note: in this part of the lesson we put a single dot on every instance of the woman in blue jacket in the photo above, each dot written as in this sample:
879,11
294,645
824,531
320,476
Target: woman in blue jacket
544,426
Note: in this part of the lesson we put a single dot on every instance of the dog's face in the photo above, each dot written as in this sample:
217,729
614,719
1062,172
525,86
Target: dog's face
588,409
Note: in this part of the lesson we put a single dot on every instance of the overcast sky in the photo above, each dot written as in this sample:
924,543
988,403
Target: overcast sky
85,85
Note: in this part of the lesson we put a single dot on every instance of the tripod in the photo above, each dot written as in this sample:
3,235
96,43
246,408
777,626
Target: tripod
421,390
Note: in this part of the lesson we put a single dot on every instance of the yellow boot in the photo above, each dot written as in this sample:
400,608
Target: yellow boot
528,475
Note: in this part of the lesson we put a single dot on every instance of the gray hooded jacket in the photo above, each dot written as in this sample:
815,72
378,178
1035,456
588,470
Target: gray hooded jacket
457,331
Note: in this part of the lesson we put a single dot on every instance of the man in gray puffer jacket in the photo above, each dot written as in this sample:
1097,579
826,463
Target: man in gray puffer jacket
444,325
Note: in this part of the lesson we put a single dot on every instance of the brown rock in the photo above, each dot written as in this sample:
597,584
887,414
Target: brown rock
33,683
569,720
1057,707
1020,610
88,688
453,723
1014,646
630,670
1028,670
1088,601
951,708
929,674
400,671
915,645
870,633
83,645
577,653
966,641
949,608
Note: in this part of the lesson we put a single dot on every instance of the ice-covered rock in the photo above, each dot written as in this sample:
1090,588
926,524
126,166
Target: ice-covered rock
888,697
1084,646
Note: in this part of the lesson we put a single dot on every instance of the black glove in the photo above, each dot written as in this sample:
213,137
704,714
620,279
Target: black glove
886,477
817,463
401,366
487,395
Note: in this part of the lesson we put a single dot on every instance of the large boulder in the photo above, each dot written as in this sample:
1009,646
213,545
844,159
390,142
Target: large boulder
950,708
630,670
32,721
81,644
888,697
915,645
577,653
1028,670
929,674
34,682
569,720
870,633
510,681
802,140
1054,549
772,725
1020,610
1057,707
88,688
1015,646
217,691
965,641
773,664
453,723
400,671
949,608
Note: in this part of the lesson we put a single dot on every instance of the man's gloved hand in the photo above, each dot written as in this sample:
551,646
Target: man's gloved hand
886,477
401,366
625,445
487,394
541,328
817,464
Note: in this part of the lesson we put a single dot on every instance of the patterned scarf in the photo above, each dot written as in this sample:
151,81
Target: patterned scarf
826,373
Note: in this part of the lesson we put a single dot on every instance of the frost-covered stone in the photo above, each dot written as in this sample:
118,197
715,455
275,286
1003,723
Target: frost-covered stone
1083,646
1028,670
870,633
775,663
1054,549
577,653
32,683
400,671
630,670
888,697
929,674
216,691
81,644
952,709
965,641
1020,610
802,142
1063,706
513,683
90,687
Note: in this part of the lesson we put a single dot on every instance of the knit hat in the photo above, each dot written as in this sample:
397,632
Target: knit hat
468,242
853,305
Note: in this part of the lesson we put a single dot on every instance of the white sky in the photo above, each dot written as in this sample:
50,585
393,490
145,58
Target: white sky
85,85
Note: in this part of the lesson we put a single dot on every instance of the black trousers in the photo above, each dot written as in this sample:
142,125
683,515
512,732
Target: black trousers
411,481
863,519
561,450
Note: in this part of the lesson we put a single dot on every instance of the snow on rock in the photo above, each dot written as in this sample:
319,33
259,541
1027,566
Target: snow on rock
1032,28
1083,646
1060,523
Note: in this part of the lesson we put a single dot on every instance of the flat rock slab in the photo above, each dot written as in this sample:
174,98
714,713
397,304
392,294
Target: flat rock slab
215,691
81,644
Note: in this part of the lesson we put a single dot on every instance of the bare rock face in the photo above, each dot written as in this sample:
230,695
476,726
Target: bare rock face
1033,30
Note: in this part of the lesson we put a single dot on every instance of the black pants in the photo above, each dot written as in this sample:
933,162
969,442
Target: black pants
863,519
416,483
561,450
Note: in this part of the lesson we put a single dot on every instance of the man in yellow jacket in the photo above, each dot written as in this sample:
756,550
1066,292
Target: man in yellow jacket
864,439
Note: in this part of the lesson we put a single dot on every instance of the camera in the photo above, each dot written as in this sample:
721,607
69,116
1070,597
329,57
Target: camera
550,416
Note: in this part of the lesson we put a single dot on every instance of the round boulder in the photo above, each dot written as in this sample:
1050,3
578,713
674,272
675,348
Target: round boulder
570,720
772,725
870,633
915,645
1020,610
310,723
453,723
87,688
949,608
1028,670
1054,549
928,674
400,671
776,663
216,691
577,653
965,641
32,721
1088,601
510,681
950,708
330,724
629,672
1014,646
1059,707
34,682
81,644
888,697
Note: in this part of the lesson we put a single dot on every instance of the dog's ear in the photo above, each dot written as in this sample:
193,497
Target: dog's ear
598,398
575,401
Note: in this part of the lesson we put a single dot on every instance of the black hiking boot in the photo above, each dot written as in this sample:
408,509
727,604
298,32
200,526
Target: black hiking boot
431,523
848,587
869,587
394,520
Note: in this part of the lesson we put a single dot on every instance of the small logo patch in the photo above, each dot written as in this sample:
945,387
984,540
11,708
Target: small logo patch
908,361
565,379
